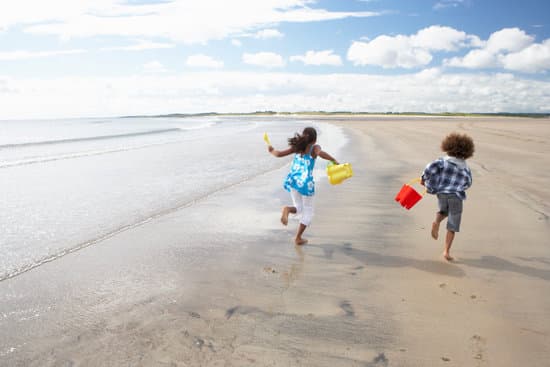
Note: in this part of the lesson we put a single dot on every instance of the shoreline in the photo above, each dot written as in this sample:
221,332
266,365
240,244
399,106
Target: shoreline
369,289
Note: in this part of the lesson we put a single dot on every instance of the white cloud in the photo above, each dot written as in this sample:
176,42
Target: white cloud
532,59
154,67
428,74
265,59
475,59
203,61
23,55
140,46
443,4
429,90
268,33
388,52
408,51
236,42
510,49
508,39
177,20
442,39
318,58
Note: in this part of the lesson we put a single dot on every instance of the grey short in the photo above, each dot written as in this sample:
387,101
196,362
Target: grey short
450,205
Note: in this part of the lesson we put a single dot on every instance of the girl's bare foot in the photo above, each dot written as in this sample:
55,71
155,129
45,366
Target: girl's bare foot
284,215
300,241
447,257
435,230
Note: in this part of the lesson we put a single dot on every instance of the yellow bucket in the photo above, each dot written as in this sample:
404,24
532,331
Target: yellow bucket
339,172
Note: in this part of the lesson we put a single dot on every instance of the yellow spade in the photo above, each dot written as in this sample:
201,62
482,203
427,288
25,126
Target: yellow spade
266,139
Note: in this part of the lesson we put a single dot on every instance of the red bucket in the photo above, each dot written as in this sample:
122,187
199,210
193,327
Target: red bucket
408,196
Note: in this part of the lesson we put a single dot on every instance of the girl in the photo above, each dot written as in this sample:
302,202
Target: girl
299,182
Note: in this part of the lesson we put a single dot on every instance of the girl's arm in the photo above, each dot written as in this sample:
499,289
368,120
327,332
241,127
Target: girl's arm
321,153
279,153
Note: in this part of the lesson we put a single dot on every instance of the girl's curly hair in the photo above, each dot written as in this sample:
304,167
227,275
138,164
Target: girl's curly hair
299,142
458,145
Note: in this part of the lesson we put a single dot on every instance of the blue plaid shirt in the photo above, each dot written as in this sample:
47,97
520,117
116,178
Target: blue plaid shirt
447,175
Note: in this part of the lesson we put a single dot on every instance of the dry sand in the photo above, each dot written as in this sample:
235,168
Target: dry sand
491,306
220,283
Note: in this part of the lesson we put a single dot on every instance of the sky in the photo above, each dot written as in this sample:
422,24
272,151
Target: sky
97,58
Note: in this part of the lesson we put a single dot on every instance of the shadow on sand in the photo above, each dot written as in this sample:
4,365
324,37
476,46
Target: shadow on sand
392,261
432,266
500,264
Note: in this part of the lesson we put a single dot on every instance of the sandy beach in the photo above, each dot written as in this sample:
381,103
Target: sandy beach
220,283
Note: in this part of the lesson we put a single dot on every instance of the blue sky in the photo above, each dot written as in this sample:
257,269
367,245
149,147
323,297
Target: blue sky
75,58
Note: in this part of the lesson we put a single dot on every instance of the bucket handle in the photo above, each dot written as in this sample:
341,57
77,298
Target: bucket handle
417,180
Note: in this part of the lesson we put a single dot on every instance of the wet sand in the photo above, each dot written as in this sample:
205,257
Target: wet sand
220,283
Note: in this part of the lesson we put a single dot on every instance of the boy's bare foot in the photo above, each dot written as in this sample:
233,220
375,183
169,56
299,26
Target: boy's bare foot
300,241
448,257
435,230
284,215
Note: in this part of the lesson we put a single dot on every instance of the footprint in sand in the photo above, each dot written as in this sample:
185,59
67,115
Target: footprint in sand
347,308
199,342
478,347
269,269
444,285
380,360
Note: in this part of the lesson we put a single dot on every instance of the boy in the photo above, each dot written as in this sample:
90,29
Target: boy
449,177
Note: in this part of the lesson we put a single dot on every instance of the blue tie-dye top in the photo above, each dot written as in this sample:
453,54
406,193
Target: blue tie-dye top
300,177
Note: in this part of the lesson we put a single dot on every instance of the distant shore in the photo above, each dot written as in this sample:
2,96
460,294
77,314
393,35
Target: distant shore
354,114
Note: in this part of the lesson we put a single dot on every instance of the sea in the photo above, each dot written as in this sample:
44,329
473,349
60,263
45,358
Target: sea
67,184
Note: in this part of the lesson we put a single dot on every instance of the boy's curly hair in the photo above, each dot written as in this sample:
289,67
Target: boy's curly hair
458,145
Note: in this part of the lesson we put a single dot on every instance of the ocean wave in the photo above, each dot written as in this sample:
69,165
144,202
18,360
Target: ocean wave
35,160
198,127
65,251
88,138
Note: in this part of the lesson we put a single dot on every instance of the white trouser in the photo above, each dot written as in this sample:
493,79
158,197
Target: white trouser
303,205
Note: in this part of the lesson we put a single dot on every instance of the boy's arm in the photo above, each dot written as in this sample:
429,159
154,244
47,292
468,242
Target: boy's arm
321,153
470,180
430,176
279,153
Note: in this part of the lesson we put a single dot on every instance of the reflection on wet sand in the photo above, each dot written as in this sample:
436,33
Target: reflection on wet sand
295,270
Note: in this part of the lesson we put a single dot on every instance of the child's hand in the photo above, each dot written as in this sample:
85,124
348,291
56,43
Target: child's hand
270,149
